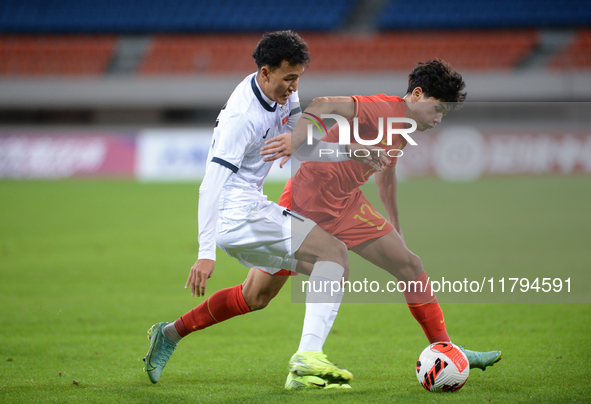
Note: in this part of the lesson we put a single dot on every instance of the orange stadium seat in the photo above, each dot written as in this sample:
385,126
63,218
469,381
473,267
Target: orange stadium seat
192,54
186,54
391,51
401,51
34,55
576,55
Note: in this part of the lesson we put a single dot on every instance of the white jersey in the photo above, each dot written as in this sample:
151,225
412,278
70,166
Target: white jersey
243,126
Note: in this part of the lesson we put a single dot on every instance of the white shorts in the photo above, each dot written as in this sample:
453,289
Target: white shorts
262,235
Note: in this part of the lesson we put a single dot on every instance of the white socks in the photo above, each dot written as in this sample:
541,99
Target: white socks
323,298
171,332
333,316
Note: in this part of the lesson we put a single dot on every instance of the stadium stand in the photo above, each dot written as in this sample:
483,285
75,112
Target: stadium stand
193,54
147,16
180,53
428,14
34,55
187,37
399,51
577,55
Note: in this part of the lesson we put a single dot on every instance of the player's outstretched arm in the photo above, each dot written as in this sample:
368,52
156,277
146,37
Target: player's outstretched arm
214,180
285,144
288,144
343,106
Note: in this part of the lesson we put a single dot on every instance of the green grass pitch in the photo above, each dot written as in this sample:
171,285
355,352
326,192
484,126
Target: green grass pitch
87,266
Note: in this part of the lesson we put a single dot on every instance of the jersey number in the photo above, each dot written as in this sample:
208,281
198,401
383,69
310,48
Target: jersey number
367,220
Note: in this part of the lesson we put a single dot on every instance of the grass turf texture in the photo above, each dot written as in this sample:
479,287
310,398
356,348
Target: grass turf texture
86,267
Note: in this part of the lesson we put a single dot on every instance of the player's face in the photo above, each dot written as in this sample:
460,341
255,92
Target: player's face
280,83
426,111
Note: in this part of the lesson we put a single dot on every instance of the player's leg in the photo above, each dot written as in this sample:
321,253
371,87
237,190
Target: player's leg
323,298
272,232
271,225
164,337
295,382
255,293
306,267
260,288
230,302
390,253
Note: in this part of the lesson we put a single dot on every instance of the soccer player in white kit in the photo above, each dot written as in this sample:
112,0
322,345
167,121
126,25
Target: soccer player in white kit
235,215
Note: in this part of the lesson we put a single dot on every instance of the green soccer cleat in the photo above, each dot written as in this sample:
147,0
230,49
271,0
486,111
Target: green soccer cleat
161,347
314,363
295,382
482,360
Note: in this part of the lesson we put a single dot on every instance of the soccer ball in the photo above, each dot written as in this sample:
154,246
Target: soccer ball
442,367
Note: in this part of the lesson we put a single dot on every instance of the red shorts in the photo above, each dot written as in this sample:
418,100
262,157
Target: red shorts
358,222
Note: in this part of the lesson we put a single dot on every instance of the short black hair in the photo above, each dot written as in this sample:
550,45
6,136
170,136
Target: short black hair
440,80
275,47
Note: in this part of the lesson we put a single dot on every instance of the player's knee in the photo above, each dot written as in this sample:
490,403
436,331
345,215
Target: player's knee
342,252
412,269
415,263
337,252
259,302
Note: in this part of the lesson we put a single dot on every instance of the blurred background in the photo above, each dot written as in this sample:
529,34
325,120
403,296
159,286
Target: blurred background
132,88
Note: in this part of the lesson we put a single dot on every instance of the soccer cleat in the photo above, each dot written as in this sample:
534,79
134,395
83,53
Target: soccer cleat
315,363
295,382
161,347
482,360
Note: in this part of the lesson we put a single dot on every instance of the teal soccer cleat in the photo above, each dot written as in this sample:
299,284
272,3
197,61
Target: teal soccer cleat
482,360
161,347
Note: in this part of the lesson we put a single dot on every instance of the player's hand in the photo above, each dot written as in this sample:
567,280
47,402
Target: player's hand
372,155
200,273
279,146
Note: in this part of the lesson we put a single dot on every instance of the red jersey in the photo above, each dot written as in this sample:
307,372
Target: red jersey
326,188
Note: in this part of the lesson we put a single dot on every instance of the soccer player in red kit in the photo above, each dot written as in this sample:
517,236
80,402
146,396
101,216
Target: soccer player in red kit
329,194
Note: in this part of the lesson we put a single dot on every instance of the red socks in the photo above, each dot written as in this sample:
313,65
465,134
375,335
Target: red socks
425,309
227,303
222,305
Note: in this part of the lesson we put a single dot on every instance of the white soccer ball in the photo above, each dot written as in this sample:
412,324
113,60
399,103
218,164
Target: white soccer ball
442,367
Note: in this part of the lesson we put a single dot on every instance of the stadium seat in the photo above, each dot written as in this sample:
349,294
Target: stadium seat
147,16
454,14
24,55
576,55
194,54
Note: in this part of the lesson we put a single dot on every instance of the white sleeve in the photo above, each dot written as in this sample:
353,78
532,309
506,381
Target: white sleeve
233,138
209,194
294,116
320,150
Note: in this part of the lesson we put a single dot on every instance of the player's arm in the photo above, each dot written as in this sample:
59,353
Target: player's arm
287,144
387,189
215,178
343,106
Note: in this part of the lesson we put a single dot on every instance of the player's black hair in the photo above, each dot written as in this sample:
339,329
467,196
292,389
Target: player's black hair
438,79
278,46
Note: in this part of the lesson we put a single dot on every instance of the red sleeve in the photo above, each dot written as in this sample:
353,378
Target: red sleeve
370,109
